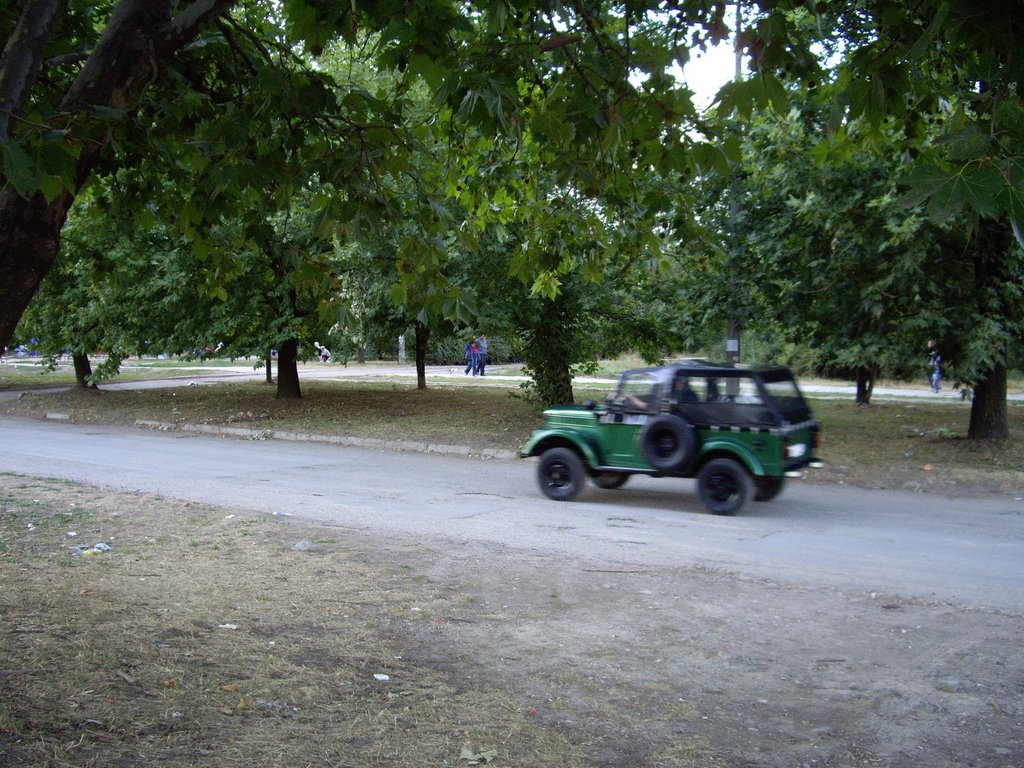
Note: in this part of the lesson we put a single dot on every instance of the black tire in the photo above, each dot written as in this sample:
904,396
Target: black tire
610,480
768,487
668,442
724,486
560,474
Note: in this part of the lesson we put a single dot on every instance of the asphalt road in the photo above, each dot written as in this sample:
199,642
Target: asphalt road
965,552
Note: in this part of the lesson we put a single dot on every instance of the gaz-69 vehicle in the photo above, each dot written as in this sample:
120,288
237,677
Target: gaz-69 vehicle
740,431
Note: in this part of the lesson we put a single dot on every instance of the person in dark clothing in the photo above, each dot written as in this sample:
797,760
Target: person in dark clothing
934,366
682,391
481,354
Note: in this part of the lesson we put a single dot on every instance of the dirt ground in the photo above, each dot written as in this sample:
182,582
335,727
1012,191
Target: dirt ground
217,637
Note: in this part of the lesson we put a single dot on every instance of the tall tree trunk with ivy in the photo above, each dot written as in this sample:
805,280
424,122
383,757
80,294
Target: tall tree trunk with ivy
550,349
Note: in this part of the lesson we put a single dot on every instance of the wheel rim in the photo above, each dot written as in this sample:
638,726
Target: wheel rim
722,486
558,475
666,444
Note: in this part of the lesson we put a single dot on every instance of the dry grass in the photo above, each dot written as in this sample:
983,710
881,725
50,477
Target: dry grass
455,415
918,446
206,640
203,639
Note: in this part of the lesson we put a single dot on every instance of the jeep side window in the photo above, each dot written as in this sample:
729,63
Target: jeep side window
747,392
716,391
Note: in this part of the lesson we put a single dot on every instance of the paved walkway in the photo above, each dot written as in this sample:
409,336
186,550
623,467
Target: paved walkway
186,375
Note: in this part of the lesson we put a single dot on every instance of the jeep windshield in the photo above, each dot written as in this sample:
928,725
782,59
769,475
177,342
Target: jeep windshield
636,391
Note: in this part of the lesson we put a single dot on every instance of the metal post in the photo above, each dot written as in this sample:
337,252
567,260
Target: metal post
732,341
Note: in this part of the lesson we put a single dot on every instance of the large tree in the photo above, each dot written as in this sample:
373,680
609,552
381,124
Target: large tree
939,82
74,78
583,91
66,75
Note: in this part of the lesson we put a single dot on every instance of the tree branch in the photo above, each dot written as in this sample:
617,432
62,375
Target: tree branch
23,56
191,21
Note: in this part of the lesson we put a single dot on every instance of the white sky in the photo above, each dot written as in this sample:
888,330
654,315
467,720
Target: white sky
707,72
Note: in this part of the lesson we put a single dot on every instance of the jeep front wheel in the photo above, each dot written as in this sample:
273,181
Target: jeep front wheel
560,474
724,486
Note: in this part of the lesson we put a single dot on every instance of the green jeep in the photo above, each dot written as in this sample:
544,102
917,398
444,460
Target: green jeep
740,431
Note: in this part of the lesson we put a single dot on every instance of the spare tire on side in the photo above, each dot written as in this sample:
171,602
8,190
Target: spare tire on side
668,442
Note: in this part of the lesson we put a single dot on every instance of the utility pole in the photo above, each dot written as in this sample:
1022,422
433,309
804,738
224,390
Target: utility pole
732,341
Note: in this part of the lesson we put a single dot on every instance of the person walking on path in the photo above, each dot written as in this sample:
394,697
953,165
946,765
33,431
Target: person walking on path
472,357
934,366
481,358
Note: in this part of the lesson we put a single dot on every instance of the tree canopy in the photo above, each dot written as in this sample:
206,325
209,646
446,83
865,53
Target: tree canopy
461,126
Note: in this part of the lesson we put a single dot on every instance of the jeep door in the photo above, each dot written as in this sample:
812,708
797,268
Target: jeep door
630,406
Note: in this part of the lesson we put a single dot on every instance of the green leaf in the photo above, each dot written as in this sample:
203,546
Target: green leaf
497,16
978,186
736,97
982,186
917,50
429,69
398,294
1014,198
51,186
546,284
971,143
18,168
776,93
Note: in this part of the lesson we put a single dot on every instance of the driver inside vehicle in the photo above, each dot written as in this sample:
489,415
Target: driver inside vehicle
682,392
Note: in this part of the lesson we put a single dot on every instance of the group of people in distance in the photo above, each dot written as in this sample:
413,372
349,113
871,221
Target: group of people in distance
476,356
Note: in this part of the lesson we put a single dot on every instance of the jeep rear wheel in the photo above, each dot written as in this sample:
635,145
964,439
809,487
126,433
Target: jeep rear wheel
724,486
560,474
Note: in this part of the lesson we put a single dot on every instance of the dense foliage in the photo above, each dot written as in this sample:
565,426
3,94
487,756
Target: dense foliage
314,165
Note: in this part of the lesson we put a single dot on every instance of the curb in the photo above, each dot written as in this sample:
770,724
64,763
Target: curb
410,446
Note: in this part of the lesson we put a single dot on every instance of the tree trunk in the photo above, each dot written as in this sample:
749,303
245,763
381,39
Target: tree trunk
422,334
139,35
288,371
270,373
23,57
28,248
988,407
551,347
556,385
865,385
993,241
83,370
